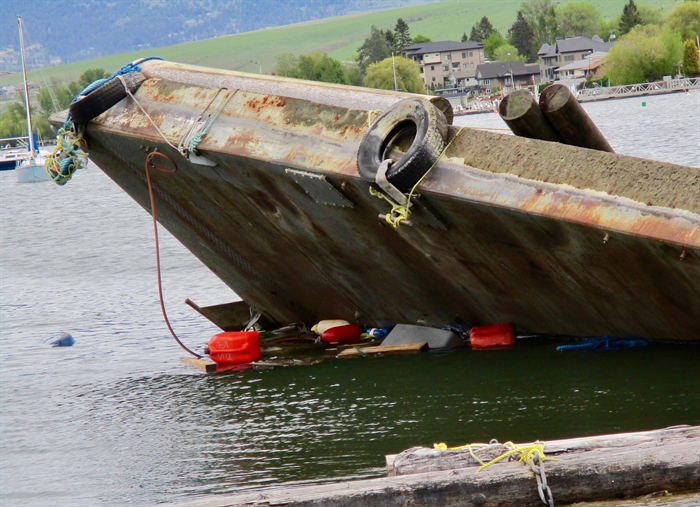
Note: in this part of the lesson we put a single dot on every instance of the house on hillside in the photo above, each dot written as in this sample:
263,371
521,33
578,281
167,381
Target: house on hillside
506,75
447,63
567,50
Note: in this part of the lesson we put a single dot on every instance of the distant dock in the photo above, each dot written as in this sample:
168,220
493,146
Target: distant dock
590,94
638,90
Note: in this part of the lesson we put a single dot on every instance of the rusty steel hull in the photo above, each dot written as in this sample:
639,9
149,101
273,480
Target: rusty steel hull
557,239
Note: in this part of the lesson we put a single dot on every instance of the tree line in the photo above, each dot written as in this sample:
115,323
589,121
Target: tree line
377,59
51,98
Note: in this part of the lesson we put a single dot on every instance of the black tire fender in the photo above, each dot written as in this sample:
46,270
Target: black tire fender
412,132
103,97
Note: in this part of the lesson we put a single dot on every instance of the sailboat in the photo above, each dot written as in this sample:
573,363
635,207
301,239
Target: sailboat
32,168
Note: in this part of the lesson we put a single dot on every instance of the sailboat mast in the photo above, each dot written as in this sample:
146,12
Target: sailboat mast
30,129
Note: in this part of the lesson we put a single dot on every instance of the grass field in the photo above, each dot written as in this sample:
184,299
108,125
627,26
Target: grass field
340,37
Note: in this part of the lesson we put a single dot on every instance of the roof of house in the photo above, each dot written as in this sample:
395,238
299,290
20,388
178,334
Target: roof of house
440,47
575,44
547,50
587,64
500,69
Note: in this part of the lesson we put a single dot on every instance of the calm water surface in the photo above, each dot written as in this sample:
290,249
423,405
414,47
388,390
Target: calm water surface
117,419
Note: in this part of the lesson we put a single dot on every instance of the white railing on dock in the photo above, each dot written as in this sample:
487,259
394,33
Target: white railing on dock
672,85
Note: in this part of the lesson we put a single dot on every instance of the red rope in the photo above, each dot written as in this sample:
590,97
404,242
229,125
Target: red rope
149,164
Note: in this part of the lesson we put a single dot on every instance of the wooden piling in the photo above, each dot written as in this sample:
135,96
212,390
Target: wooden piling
570,120
520,111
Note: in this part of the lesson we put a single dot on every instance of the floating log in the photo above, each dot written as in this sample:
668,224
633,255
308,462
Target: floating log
591,469
409,348
520,111
570,120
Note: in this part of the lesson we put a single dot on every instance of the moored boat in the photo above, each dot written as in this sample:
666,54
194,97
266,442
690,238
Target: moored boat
260,180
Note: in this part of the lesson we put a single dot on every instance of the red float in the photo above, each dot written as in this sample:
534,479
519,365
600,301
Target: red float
347,334
495,335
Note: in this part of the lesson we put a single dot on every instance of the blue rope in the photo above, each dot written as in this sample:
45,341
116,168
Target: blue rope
126,69
606,343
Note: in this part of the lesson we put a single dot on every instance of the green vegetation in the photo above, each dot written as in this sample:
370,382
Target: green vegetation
521,36
314,67
481,31
630,17
685,20
691,59
645,54
578,18
381,75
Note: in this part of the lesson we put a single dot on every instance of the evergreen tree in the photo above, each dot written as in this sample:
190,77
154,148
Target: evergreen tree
542,18
390,38
630,17
402,37
691,59
464,37
521,37
374,49
481,30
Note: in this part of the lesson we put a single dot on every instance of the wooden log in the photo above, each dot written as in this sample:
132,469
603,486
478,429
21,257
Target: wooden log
570,120
648,465
409,348
423,459
520,111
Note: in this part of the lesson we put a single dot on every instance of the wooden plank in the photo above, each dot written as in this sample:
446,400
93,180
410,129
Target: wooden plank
669,463
202,364
409,348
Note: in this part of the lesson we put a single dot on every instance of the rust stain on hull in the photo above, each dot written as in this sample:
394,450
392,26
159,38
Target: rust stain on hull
525,237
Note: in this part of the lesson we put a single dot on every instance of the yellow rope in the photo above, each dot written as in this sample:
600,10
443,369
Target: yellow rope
371,121
526,452
401,212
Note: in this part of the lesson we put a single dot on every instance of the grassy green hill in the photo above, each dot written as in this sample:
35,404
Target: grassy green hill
339,37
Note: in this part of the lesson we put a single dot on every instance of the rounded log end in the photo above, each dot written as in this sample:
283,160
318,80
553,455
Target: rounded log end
554,97
516,104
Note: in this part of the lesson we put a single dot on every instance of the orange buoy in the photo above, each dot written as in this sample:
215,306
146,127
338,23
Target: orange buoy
235,347
495,335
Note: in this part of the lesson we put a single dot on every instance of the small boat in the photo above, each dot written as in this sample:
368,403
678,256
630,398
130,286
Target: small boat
32,168
10,155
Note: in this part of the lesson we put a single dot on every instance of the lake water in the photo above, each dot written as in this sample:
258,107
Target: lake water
118,420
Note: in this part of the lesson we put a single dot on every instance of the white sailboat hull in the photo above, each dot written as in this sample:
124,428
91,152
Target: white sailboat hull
32,173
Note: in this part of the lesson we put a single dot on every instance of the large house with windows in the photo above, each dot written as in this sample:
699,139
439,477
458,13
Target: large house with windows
511,74
568,50
447,63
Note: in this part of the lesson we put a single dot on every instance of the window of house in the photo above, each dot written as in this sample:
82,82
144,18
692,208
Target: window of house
448,56
487,81
455,65
464,55
432,67
465,65
445,68
433,78
471,53
421,70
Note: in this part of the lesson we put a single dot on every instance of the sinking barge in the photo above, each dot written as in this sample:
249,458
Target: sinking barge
557,239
